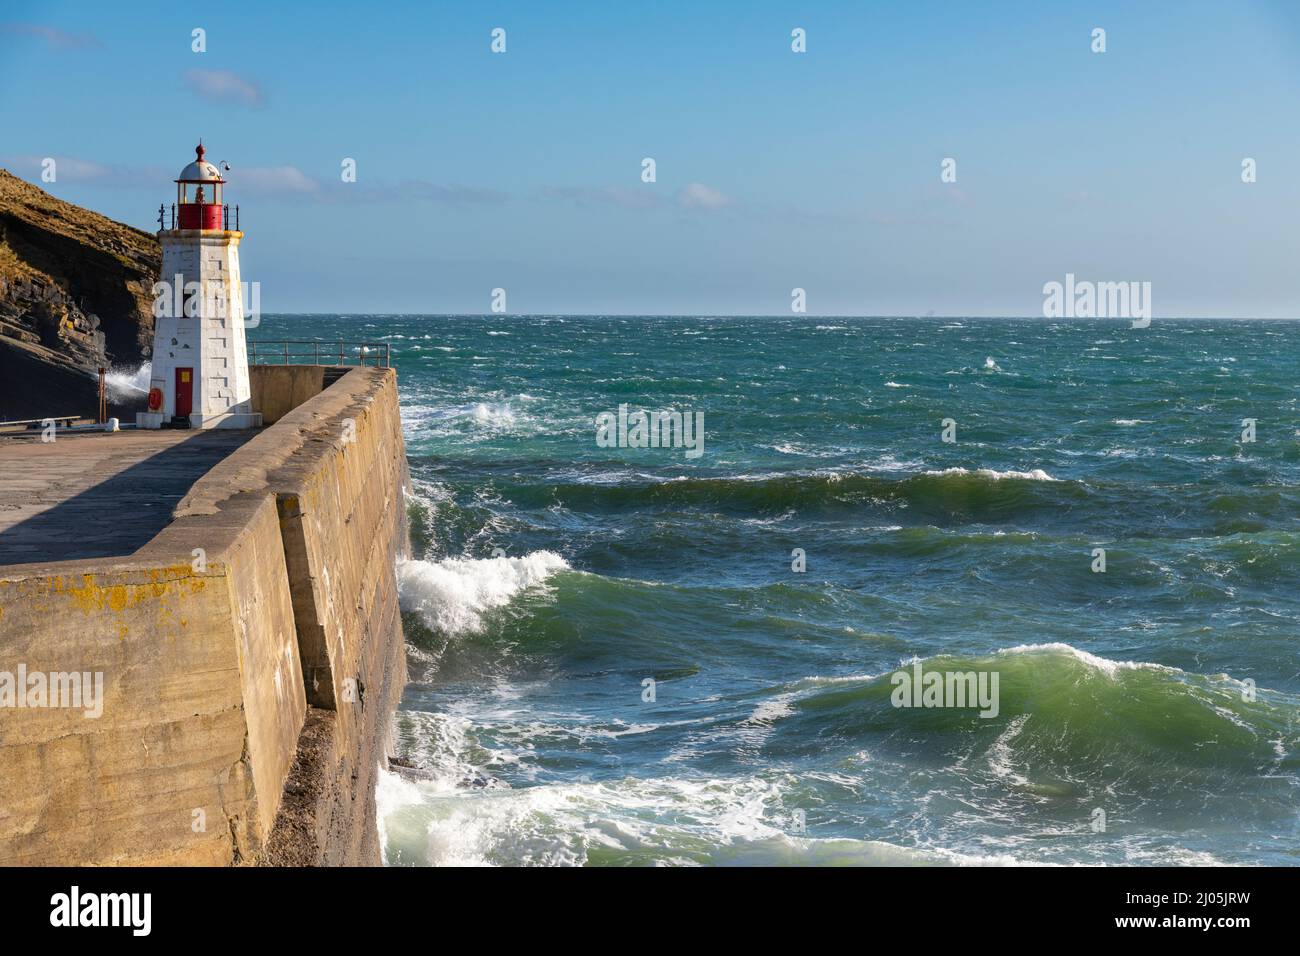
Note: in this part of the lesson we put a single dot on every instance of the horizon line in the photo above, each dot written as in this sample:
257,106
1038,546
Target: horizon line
765,315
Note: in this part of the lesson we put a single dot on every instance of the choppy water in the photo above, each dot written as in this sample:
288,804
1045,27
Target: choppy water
772,736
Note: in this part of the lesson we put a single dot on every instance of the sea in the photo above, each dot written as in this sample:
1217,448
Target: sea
722,649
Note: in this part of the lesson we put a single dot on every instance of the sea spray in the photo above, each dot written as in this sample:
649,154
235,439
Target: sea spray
124,385
452,595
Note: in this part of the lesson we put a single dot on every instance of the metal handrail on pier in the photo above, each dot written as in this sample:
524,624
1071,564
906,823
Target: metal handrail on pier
302,352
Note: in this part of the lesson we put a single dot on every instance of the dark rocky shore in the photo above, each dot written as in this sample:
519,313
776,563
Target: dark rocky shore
74,297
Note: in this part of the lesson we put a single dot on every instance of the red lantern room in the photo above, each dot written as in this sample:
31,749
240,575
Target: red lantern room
198,194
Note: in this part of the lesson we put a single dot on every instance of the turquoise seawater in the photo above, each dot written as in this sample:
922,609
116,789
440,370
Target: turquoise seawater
1147,713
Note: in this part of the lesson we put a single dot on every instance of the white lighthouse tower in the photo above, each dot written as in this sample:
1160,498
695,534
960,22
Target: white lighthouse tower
200,361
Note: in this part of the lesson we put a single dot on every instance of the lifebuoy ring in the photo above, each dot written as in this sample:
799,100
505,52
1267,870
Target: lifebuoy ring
155,399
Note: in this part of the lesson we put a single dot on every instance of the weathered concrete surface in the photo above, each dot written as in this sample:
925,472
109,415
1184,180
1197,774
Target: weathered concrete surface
92,495
201,702
205,716
343,523
278,389
338,467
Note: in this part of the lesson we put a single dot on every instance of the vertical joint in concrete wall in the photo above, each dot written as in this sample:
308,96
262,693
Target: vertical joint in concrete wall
305,589
243,839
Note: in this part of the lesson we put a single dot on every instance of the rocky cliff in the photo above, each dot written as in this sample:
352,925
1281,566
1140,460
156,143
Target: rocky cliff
74,296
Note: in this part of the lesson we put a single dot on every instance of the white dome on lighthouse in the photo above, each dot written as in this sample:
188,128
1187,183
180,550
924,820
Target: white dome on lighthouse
200,171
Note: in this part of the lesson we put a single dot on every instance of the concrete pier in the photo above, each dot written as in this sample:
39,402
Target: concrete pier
223,668
95,495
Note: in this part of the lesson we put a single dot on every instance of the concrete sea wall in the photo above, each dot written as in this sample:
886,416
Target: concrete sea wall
279,389
251,656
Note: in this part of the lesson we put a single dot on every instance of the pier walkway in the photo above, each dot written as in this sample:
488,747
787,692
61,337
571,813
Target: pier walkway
98,494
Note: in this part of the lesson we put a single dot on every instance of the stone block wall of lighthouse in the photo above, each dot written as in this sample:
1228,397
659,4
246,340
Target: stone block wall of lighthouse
202,333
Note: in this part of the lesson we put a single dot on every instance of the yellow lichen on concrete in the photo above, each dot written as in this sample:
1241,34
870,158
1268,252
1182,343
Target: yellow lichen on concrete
203,688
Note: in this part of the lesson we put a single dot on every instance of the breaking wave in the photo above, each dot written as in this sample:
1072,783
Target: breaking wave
954,490
452,595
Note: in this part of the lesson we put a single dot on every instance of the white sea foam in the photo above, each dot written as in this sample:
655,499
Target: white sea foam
392,793
787,448
1001,755
1034,474
820,681
493,413
771,710
1103,664
452,595
818,451
739,820
489,416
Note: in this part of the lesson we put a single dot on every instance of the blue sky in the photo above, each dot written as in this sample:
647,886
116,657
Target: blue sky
775,170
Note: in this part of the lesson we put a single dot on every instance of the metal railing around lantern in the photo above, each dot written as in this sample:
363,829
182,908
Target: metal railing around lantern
377,354
225,217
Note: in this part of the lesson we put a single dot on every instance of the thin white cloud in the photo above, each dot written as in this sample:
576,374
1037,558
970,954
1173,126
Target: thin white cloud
690,196
290,180
224,86
53,36
263,181
700,196
70,169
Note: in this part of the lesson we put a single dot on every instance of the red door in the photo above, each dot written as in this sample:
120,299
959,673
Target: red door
184,391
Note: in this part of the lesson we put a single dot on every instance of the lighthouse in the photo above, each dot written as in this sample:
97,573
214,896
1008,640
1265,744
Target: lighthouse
199,377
